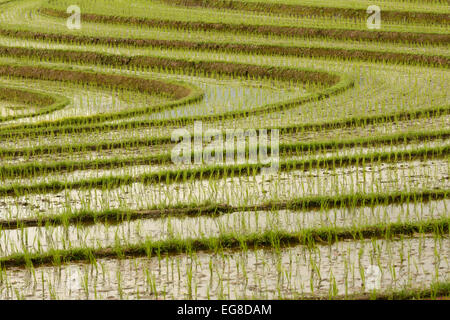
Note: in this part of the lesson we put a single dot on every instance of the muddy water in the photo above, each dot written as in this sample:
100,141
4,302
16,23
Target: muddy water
100,235
244,190
338,269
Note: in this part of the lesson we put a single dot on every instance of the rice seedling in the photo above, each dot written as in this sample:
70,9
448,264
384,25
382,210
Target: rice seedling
351,201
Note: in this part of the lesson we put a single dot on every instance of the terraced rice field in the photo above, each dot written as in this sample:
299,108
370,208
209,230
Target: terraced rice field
92,205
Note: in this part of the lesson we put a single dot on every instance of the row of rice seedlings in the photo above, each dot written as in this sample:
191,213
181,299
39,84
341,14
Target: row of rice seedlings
231,240
232,91
210,209
335,180
391,5
250,169
105,280
85,99
145,160
238,97
47,236
149,86
263,69
393,11
113,37
21,103
159,145
151,137
382,105
290,137
326,114
153,11
247,188
431,56
35,20
152,140
279,271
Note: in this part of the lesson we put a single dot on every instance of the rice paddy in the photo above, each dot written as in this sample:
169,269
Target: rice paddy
340,189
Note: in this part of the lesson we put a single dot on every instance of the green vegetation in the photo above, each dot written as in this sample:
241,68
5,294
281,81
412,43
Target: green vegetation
89,187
